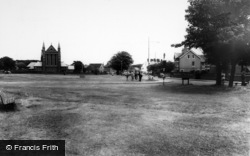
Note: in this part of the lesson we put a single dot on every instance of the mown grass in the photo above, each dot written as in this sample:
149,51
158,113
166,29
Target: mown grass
106,115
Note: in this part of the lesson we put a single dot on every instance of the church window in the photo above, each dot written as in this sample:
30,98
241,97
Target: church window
47,60
55,59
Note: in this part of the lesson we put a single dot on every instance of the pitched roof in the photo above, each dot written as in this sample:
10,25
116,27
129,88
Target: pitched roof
202,58
38,64
137,65
51,48
95,65
71,67
31,64
186,51
63,64
176,55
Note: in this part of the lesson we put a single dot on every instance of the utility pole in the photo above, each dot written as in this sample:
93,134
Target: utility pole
148,50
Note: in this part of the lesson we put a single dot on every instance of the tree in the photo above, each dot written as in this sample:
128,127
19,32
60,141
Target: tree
121,61
162,67
26,62
7,63
79,67
21,65
220,29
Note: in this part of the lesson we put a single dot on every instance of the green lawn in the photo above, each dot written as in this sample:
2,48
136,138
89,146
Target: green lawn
107,115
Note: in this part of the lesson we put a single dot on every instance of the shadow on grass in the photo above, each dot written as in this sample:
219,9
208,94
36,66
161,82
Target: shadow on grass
12,107
188,143
199,89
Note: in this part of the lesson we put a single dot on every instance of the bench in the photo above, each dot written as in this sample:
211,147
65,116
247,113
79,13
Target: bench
5,99
185,78
82,76
236,83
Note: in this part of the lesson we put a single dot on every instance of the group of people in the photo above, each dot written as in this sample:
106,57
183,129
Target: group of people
136,75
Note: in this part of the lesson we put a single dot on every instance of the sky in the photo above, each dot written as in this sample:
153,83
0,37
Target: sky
92,31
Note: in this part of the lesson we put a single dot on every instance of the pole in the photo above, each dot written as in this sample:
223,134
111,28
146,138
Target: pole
148,50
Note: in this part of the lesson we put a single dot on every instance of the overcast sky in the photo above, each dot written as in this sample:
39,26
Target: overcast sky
91,31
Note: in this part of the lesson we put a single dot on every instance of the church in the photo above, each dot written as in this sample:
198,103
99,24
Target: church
50,61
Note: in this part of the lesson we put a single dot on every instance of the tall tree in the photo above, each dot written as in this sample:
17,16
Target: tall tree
79,67
162,67
219,28
7,63
121,61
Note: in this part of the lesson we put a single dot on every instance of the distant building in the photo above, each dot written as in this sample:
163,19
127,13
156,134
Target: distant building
154,60
135,67
50,61
95,68
188,60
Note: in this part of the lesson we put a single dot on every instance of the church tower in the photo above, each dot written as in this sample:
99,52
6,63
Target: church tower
43,57
59,57
51,59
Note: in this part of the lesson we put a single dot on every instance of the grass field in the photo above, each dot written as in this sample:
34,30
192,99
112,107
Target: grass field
109,116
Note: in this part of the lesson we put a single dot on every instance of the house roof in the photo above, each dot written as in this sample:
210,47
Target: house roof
63,64
137,65
71,67
185,51
31,64
95,65
38,64
184,54
202,58
176,55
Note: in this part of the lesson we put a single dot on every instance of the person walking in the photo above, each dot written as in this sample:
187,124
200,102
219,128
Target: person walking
243,78
132,76
140,75
136,75
127,75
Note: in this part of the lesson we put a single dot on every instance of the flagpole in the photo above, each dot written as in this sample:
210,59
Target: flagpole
148,50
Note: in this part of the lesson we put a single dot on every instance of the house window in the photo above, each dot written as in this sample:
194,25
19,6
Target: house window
188,56
193,63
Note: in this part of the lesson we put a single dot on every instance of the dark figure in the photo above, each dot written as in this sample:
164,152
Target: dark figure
243,78
136,75
132,76
127,75
140,76
223,78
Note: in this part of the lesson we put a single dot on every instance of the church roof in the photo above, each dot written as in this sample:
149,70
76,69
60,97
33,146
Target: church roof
51,49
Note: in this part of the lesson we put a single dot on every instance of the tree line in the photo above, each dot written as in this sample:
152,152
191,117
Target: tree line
8,64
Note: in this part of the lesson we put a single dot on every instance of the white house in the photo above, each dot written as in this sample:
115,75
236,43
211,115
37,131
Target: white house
188,60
